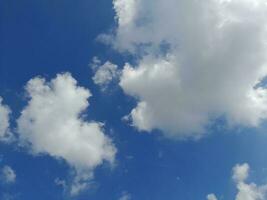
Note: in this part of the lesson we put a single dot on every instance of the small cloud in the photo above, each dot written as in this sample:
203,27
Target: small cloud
96,62
5,134
81,182
240,172
8,175
61,183
211,197
104,73
125,196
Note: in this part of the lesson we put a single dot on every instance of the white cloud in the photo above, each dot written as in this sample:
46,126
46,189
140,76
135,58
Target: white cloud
250,192
211,197
8,175
80,182
60,182
215,60
126,11
52,123
247,191
125,196
104,74
240,172
4,120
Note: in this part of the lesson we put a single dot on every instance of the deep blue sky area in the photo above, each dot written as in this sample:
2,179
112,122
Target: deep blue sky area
46,37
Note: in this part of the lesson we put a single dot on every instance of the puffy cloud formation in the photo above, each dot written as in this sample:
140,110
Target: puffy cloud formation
211,197
126,11
240,172
8,174
246,191
104,74
52,123
199,60
4,120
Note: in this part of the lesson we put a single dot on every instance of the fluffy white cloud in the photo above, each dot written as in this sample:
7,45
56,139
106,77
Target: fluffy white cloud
52,123
246,191
240,172
251,191
4,120
104,74
200,60
126,11
8,174
211,197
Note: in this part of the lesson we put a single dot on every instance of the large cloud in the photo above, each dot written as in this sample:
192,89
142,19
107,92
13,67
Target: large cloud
200,60
4,121
52,123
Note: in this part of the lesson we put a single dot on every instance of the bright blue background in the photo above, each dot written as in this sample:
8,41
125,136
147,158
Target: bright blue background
45,37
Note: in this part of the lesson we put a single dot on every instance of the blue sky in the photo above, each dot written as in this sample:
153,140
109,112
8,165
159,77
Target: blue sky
156,160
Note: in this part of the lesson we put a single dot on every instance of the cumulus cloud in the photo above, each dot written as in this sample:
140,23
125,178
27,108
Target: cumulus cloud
4,121
211,197
246,191
104,73
8,175
240,172
52,123
126,11
199,60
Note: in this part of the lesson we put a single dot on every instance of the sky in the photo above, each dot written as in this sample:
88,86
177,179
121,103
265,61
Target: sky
133,100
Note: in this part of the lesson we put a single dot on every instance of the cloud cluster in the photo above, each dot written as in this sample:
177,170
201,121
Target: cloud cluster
199,60
245,191
4,120
52,123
